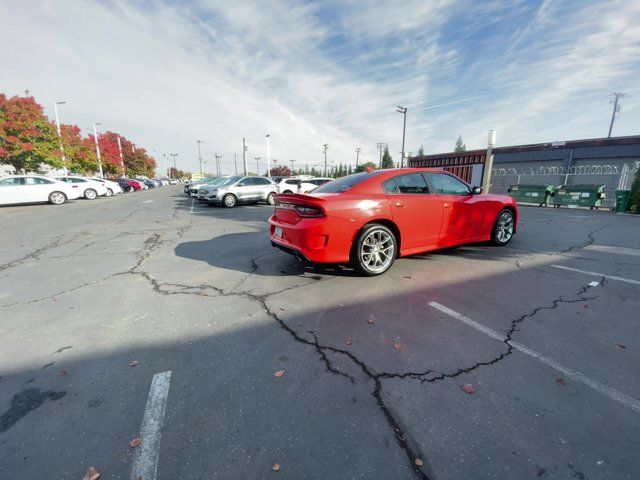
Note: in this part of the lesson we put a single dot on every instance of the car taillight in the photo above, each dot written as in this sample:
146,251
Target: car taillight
309,211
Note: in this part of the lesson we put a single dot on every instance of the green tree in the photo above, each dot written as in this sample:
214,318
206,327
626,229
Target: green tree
364,166
634,196
27,137
350,170
79,151
387,161
421,151
460,146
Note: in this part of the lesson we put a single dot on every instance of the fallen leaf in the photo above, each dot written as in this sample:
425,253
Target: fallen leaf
407,276
560,381
621,345
397,346
279,373
133,363
418,462
92,473
468,388
275,467
282,308
62,373
135,442
348,342
370,321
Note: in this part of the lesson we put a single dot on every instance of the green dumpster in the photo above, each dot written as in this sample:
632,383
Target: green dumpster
539,194
579,195
622,200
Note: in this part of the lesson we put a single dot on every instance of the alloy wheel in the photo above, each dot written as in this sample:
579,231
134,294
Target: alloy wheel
504,227
377,250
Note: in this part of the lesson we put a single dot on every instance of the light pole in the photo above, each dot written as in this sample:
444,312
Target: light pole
257,159
95,137
403,111
174,155
488,163
218,157
325,147
199,156
121,156
268,156
63,157
358,150
616,109
292,162
244,156
235,163
166,172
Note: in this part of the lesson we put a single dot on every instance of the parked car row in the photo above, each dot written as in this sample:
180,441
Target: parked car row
19,189
232,190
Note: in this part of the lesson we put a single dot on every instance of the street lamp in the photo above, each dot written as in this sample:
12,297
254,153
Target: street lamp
325,147
95,137
121,156
268,136
403,111
199,156
174,155
292,162
257,159
488,163
63,157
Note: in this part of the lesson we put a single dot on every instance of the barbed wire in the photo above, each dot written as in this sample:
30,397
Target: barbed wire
574,170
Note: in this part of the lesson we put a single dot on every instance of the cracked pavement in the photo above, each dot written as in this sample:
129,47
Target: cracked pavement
373,373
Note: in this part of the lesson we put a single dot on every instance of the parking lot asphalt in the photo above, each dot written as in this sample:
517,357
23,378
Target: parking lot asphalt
149,315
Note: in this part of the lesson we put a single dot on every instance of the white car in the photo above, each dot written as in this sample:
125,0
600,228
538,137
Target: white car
36,188
289,185
307,186
113,188
90,188
142,184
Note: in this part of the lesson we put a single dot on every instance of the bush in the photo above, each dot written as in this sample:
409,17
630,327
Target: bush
634,197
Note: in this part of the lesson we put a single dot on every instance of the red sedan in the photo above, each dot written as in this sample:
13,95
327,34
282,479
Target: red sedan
369,219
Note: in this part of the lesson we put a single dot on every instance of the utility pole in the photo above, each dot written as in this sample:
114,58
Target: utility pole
292,162
199,156
616,109
403,111
325,147
121,156
166,172
488,163
244,156
62,155
235,163
257,159
268,156
218,170
95,137
381,147
358,150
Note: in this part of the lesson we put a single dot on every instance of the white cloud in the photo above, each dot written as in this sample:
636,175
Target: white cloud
166,74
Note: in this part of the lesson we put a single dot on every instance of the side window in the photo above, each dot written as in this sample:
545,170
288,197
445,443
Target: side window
11,182
42,181
413,183
263,181
446,184
248,181
30,181
390,187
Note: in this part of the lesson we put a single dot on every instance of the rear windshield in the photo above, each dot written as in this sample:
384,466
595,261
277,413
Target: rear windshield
343,184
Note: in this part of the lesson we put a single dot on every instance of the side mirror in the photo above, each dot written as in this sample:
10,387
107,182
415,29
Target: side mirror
476,190
241,184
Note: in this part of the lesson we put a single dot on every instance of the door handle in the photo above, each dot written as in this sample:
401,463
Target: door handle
399,204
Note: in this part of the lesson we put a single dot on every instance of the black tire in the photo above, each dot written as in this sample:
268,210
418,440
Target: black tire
271,199
362,245
503,228
90,194
130,189
229,200
287,191
57,198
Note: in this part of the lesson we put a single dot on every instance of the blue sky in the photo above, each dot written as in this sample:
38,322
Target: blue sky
309,73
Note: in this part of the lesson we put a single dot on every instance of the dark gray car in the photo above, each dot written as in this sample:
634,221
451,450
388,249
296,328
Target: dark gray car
240,190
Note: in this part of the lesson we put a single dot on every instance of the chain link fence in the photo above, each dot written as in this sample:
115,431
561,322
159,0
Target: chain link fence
614,177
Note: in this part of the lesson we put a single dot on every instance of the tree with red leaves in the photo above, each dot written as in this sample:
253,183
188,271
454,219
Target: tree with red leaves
27,137
280,171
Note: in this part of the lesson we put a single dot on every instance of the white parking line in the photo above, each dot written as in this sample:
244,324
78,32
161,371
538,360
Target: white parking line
145,461
596,274
611,249
606,390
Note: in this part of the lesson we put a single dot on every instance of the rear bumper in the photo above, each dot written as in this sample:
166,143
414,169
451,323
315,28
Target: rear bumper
315,240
